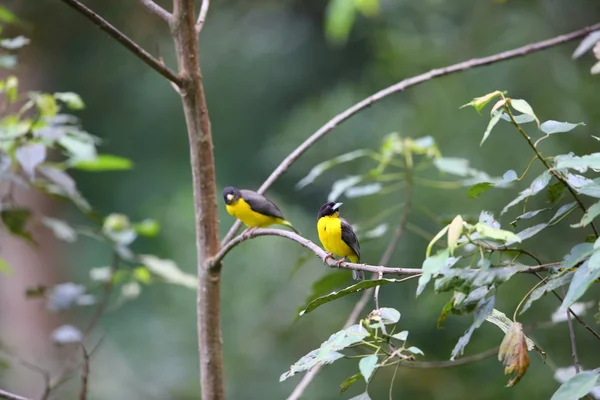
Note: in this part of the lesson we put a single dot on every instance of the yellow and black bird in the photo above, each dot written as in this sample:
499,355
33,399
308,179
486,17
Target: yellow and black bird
253,209
337,236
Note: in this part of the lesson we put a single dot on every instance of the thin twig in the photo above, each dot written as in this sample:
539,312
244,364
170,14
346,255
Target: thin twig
157,10
202,15
85,373
554,173
11,396
577,317
402,85
120,37
572,337
449,363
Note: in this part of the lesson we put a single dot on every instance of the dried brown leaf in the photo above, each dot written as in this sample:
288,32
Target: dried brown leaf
513,354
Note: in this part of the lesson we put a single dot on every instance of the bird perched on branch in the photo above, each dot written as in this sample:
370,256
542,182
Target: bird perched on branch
253,209
338,237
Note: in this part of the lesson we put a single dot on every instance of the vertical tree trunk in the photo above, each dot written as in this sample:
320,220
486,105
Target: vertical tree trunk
205,198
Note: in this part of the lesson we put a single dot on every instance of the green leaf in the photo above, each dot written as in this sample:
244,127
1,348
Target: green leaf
369,8
45,103
554,191
15,220
589,216
142,274
147,227
384,316
537,186
585,275
367,365
577,386
550,127
475,190
8,61
60,229
524,107
66,334
595,70
358,287
5,267
168,270
364,190
580,164
348,382
326,284
576,255
362,396
7,16
415,350
431,267
14,43
104,162
318,169
30,156
72,100
79,149
496,234
479,103
402,336
342,185
519,119
455,230
552,284
339,18
12,88
493,121
484,309
586,44
328,352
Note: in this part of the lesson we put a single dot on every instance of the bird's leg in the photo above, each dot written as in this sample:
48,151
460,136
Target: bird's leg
340,261
327,257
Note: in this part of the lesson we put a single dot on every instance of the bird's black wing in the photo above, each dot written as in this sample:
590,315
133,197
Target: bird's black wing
349,237
261,204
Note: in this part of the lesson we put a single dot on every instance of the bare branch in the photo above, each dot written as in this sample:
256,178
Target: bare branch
125,41
11,396
157,10
85,373
215,262
449,364
402,85
199,132
202,16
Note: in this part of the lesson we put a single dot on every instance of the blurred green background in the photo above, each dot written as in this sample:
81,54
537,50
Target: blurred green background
272,78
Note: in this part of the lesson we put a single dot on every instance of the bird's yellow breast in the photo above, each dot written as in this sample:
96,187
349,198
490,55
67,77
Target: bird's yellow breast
330,235
242,211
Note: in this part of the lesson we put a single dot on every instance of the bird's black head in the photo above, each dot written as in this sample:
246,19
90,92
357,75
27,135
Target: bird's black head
329,208
231,195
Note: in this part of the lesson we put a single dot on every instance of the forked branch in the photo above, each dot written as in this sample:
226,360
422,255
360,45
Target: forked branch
157,10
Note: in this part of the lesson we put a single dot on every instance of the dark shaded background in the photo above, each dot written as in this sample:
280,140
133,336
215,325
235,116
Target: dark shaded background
272,79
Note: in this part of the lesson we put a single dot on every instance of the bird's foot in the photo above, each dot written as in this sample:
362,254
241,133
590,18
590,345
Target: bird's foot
340,261
246,234
327,257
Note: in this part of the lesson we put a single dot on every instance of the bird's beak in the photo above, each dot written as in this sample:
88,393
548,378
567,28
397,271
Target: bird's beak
336,206
229,197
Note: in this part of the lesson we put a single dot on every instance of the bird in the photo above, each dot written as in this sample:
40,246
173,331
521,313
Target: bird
253,209
338,237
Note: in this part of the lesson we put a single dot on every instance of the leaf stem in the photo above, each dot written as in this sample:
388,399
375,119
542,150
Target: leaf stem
560,178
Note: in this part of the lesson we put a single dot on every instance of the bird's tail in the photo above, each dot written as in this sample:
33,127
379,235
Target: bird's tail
356,275
289,225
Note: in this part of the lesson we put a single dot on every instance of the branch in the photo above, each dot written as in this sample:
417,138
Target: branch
572,337
85,373
448,363
157,10
202,16
215,262
206,217
120,37
11,396
402,85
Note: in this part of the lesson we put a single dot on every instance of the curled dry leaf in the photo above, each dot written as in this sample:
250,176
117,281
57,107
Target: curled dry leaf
513,354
